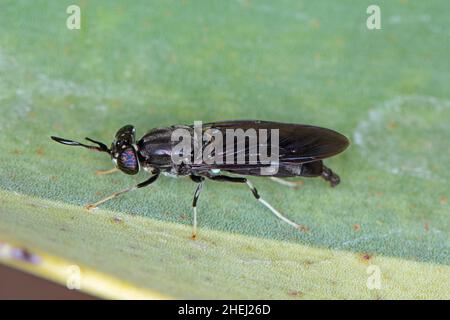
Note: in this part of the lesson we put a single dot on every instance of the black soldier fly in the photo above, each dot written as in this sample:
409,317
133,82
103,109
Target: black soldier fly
300,150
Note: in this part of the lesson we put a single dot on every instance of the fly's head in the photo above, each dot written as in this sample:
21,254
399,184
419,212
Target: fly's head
123,149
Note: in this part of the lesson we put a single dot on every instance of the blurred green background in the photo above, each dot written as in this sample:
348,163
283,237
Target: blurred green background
157,63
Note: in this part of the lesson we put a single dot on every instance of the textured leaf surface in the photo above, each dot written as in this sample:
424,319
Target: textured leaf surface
160,256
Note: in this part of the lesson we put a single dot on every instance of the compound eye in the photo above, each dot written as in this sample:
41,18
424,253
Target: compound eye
127,161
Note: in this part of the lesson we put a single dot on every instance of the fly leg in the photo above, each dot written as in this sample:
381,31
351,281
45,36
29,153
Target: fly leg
330,176
290,184
257,196
104,172
200,181
116,194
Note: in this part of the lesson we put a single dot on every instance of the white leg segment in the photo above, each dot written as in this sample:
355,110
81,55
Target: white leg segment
269,206
290,184
194,207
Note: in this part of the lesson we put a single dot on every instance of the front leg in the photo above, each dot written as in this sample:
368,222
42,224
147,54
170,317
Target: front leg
116,194
199,180
290,184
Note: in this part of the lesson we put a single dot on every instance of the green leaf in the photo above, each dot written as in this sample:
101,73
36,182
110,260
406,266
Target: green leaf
176,62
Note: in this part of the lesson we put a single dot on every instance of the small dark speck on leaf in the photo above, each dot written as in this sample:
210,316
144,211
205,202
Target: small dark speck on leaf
392,125
40,151
117,220
31,115
295,293
303,228
183,216
378,194
366,257
57,127
249,248
24,255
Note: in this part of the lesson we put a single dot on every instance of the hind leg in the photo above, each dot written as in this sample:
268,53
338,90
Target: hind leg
258,197
290,184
